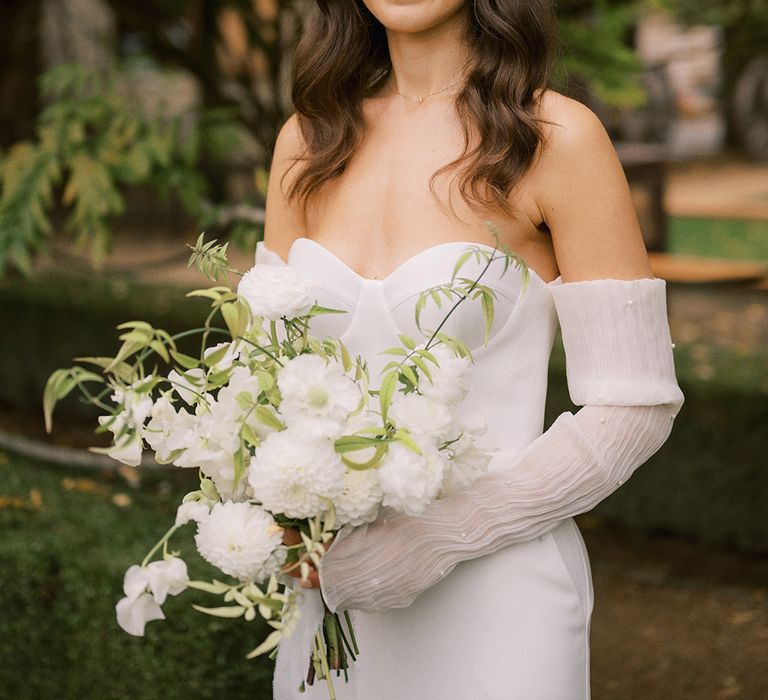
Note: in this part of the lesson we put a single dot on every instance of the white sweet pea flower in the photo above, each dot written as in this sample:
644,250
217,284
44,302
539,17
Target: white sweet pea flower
167,430
411,481
189,386
134,613
192,510
450,380
317,389
136,404
232,353
295,473
242,540
135,581
167,577
127,447
466,464
274,291
421,415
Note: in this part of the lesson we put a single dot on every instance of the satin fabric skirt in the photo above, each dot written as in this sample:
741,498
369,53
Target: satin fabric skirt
513,625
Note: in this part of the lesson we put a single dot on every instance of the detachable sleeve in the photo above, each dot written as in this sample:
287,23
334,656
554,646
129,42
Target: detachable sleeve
620,370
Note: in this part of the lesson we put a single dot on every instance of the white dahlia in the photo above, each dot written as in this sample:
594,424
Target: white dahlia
317,389
242,540
411,481
421,415
274,291
294,474
360,498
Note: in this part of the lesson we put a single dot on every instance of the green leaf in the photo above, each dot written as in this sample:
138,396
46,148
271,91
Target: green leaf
268,417
231,611
272,640
186,361
386,392
487,303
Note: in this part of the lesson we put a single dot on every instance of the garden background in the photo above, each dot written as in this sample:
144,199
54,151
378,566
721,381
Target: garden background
126,128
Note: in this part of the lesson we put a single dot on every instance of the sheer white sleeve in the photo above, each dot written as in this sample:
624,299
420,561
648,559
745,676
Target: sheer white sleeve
620,370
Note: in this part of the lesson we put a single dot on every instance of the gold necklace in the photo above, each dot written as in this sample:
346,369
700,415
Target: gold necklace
443,89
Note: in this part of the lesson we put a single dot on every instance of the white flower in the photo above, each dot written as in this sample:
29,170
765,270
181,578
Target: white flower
314,388
421,415
466,464
192,510
225,362
411,481
242,540
189,385
294,474
136,404
168,431
360,498
167,577
134,613
274,291
127,445
162,578
450,380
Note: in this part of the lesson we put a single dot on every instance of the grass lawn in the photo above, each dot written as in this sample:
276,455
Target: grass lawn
721,238
61,569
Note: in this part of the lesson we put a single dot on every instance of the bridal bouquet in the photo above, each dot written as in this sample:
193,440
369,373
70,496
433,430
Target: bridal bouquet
288,436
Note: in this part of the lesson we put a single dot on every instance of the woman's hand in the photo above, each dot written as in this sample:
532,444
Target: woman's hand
291,537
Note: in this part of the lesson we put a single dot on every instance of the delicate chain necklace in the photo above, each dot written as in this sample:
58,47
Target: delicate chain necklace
443,89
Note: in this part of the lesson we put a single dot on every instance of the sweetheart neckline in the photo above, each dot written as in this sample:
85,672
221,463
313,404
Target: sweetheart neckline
410,260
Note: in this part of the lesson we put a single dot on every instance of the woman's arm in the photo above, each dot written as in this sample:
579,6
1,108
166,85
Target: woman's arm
284,221
620,369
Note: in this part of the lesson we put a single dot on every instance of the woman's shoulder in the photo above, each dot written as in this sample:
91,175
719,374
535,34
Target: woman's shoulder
569,127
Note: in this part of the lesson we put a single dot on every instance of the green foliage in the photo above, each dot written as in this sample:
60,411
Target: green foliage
596,52
92,143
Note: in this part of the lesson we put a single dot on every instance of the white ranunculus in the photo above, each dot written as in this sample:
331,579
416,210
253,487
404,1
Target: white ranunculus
314,388
450,380
294,473
360,498
274,291
242,540
189,386
167,577
421,415
192,510
411,481
134,613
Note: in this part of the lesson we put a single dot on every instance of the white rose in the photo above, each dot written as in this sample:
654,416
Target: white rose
242,540
295,473
274,291
411,481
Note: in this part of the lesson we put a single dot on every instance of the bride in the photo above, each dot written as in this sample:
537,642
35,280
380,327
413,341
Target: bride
415,122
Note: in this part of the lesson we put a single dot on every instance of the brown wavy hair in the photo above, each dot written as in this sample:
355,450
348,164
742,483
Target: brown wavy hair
342,58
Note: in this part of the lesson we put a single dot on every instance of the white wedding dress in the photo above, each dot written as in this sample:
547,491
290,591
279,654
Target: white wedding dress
487,598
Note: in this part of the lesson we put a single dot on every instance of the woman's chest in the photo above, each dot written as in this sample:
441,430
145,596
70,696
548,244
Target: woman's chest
381,209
